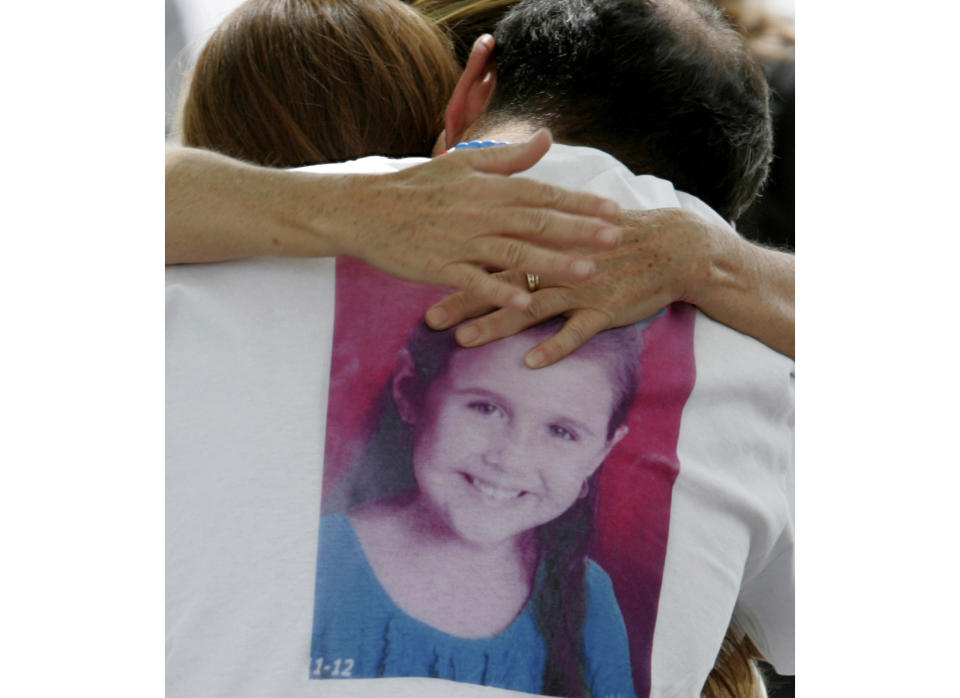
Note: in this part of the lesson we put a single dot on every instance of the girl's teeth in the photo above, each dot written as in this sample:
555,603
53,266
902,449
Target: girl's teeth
494,492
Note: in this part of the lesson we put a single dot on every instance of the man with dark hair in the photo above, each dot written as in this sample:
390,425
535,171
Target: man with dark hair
663,88
668,88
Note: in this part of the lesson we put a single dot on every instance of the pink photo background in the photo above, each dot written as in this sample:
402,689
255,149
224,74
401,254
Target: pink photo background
374,316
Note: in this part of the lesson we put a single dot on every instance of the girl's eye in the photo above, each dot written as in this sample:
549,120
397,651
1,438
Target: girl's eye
485,408
562,433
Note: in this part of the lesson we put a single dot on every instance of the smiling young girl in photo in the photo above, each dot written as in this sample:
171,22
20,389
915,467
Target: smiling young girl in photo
460,550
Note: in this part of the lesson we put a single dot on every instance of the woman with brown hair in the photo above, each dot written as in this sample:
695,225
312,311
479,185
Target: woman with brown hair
285,83
282,83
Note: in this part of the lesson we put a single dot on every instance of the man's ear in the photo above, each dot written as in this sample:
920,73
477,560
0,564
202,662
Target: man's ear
404,375
473,91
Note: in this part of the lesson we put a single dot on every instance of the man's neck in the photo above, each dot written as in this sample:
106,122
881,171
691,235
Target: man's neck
513,131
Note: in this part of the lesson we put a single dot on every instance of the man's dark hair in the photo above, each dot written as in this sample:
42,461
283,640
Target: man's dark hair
669,88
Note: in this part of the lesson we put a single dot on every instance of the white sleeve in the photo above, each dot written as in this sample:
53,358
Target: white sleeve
730,544
765,608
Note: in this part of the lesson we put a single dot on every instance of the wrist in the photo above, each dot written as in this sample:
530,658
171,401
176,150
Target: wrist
327,208
721,268
749,288
317,215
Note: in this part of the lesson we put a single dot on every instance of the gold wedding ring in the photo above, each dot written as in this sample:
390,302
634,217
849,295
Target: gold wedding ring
533,282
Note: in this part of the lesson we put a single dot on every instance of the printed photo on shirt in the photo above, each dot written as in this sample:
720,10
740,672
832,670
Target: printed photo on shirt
469,526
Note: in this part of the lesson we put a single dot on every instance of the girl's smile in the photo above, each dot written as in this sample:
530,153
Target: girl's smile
492,491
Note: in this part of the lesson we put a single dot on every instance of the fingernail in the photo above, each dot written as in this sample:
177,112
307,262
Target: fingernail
436,317
521,300
582,267
468,334
609,236
485,40
534,359
609,209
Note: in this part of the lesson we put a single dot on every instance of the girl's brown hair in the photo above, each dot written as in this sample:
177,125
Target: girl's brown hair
285,83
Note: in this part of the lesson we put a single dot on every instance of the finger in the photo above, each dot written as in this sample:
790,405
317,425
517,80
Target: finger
507,321
579,327
486,287
558,229
459,306
510,253
534,194
507,159
455,308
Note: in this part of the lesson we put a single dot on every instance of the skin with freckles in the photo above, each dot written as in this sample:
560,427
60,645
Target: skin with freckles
666,255
443,222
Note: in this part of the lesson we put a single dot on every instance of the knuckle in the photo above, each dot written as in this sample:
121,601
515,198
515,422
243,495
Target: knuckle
456,304
472,283
516,277
576,334
551,196
534,311
543,222
514,253
460,303
566,297
463,277
538,222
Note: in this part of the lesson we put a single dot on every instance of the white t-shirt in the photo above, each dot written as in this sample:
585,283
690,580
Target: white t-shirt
248,371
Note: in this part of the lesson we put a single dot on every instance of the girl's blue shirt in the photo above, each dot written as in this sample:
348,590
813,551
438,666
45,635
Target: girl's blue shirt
359,632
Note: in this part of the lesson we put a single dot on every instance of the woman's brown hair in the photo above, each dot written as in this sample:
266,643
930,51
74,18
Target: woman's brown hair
464,20
296,82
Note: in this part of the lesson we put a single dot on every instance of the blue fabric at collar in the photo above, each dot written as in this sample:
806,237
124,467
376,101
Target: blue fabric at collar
478,144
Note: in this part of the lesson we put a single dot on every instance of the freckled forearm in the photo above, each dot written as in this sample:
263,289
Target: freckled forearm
218,209
750,288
